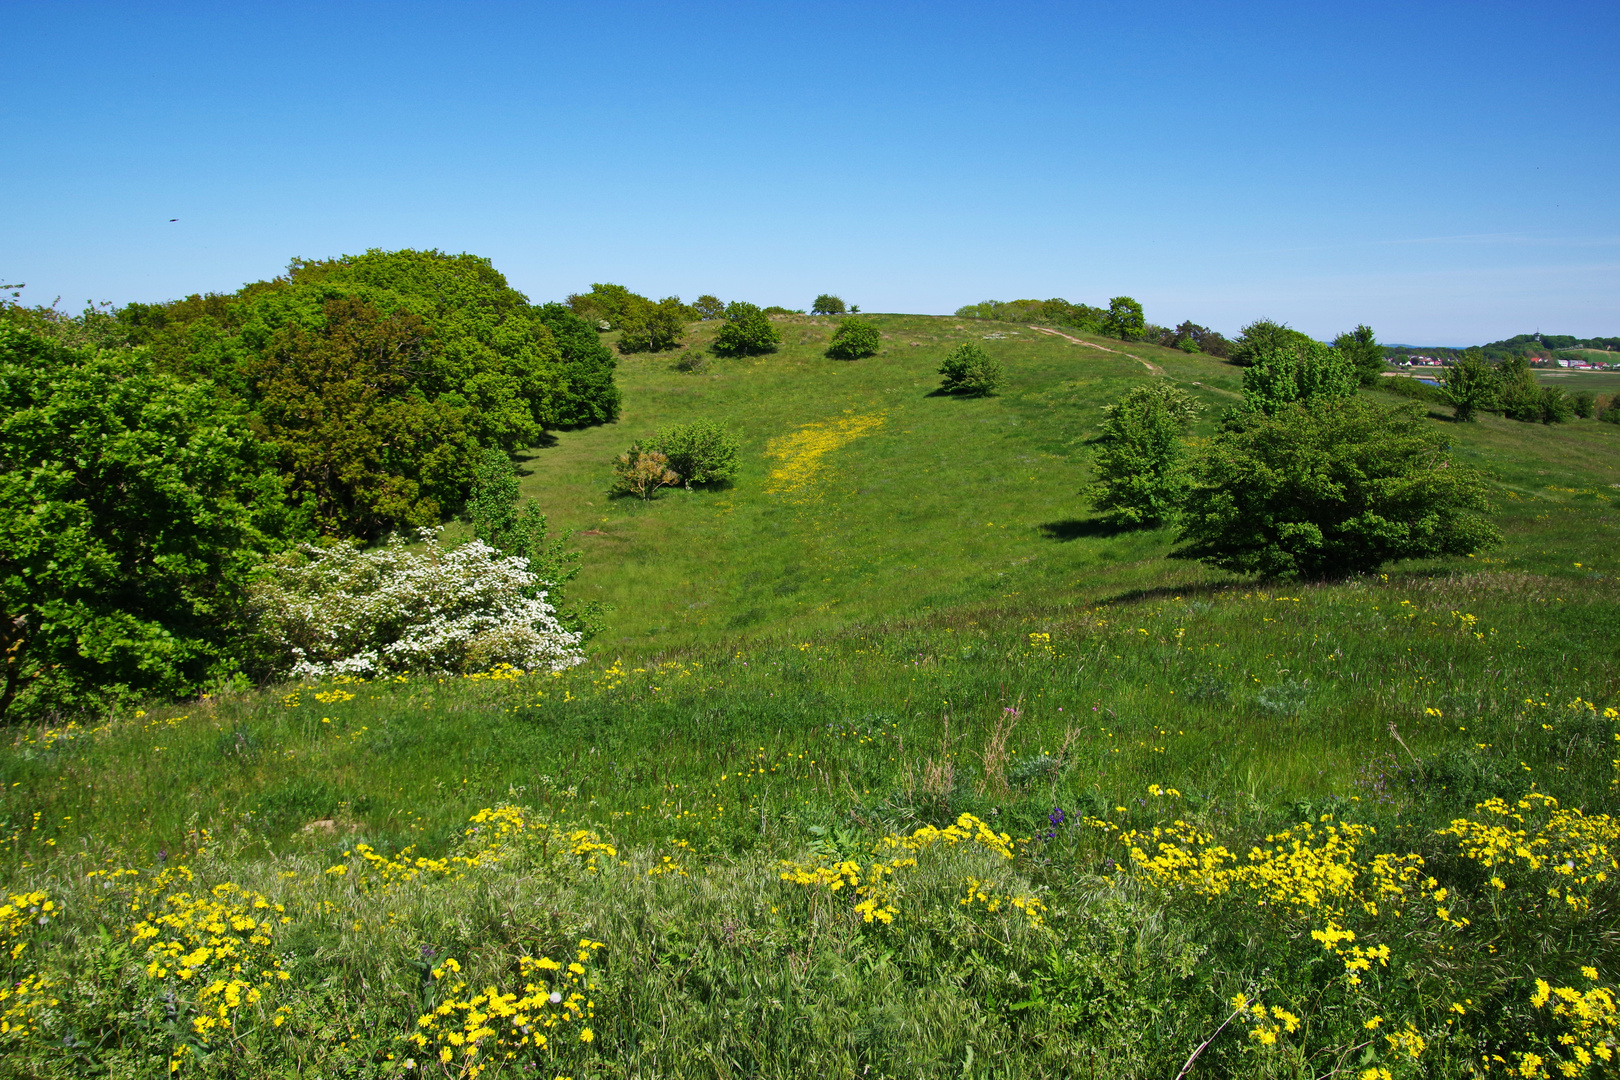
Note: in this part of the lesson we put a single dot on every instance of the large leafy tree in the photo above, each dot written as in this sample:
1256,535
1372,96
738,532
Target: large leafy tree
133,507
363,448
1470,385
747,331
1265,335
1336,487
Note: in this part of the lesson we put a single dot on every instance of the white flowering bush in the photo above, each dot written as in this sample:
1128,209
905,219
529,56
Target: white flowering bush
341,611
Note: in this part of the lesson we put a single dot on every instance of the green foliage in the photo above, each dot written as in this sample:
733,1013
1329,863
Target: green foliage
827,304
363,450
134,506
1556,406
1189,337
747,331
1266,336
641,472
1124,319
1056,312
854,339
1584,402
707,307
1361,348
1470,385
1336,487
649,327
1306,372
1140,479
589,395
605,303
701,452
457,360
1519,394
968,369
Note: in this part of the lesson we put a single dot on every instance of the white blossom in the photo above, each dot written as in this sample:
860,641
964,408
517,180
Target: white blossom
342,611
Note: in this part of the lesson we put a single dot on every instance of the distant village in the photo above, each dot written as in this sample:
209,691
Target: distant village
1541,350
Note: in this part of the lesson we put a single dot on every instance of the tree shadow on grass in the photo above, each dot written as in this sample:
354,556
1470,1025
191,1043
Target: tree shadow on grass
1075,528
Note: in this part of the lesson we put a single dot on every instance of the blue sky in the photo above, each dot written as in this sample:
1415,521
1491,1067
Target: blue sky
1447,173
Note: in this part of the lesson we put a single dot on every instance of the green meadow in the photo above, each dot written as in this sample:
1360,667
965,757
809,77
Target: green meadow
892,761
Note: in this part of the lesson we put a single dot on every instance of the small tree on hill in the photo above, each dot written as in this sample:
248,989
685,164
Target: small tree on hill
1124,320
641,473
827,304
1140,479
701,452
649,327
1519,395
1305,372
1361,348
968,369
747,331
1585,403
854,339
1339,487
1470,385
1264,335
707,307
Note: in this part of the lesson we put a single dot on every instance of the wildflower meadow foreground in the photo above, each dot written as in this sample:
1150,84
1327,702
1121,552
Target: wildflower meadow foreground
971,848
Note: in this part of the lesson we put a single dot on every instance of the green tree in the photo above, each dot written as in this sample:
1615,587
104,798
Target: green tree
589,395
1584,403
709,307
827,304
1124,319
1339,487
134,507
968,369
1140,480
747,331
702,452
649,327
854,339
1265,335
1518,393
1361,348
361,446
1470,385
1306,372
1556,406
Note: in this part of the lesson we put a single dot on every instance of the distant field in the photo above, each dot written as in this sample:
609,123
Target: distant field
940,501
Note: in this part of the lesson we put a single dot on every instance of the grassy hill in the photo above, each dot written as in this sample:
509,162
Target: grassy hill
1087,796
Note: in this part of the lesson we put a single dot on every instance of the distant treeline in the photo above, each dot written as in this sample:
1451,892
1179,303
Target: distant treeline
1187,336
1528,346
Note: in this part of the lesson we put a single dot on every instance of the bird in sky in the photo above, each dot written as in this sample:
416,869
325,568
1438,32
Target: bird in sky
174,219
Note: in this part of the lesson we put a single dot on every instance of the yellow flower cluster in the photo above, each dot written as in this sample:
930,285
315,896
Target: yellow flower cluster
875,886
17,914
801,453
21,1003
1568,852
993,901
472,1032
494,836
1591,1032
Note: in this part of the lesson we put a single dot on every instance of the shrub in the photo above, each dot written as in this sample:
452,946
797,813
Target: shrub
342,611
1362,350
747,332
854,339
589,395
1340,487
1305,372
701,452
1415,389
827,304
970,370
642,472
1140,480
1556,406
1610,411
1264,335
707,307
1469,385
1584,403
1518,393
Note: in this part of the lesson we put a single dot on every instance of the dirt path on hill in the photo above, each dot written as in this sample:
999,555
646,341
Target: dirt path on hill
1155,368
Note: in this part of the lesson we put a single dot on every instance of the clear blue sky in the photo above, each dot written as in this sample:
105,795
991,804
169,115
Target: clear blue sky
1448,173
